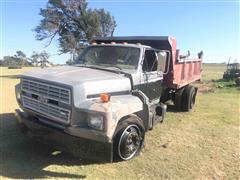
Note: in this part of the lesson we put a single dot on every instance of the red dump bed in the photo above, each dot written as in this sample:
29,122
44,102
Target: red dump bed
181,71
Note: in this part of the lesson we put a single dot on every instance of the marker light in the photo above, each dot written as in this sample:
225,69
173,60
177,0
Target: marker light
105,97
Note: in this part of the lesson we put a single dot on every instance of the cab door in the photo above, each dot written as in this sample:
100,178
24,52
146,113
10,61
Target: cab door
152,75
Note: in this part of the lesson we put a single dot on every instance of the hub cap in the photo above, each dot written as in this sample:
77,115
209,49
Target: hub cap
129,142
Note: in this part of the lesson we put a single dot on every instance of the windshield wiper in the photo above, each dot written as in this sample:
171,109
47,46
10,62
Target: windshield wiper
101,66
109,66
115,67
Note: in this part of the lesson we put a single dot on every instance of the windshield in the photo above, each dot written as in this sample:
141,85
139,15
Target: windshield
110,56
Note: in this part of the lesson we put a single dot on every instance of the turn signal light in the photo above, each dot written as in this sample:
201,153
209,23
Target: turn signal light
105,97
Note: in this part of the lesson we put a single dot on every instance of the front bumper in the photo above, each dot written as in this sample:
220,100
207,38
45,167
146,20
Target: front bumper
77,146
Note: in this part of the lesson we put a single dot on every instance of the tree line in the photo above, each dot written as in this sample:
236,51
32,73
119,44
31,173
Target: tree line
20,59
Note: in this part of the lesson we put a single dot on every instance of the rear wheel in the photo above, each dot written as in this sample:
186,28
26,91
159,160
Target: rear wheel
129,138
178,99
188,98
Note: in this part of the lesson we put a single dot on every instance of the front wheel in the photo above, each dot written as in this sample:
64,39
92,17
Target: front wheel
129,138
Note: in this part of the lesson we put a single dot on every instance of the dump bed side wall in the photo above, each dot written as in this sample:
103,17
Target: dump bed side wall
181,72
186,72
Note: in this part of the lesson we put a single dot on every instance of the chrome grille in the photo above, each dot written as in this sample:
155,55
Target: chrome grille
52,92
50,101
47,110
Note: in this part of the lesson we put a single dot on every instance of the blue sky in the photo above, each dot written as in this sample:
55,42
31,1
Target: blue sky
211,26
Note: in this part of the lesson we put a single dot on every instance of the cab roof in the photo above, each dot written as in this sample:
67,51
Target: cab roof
157,42
121,45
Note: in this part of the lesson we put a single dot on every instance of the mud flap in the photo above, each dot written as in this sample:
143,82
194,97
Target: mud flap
76,146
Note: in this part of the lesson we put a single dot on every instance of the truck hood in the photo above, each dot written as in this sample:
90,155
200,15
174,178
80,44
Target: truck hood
86,80
73,75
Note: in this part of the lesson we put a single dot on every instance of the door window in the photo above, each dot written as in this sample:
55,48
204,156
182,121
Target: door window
150,62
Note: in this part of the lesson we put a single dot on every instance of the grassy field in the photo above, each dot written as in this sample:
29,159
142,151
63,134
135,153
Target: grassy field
202,144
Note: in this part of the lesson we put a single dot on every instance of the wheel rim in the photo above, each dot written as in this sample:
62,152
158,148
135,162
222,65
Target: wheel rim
129,142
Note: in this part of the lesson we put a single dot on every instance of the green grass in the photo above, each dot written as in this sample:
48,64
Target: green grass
202,144
213,71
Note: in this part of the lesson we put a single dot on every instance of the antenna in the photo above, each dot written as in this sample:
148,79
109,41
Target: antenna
228,61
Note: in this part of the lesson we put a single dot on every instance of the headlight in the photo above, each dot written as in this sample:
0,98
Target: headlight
96,121
18,90
18,95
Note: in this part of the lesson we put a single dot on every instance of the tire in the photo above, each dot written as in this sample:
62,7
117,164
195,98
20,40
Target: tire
129,138
178,99
188,98
237,81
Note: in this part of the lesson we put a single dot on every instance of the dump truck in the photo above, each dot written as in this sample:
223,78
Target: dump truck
102,106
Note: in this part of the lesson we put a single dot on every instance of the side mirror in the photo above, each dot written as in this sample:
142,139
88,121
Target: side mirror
163,61
168,63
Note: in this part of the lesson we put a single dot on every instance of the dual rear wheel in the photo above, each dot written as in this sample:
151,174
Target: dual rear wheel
185,98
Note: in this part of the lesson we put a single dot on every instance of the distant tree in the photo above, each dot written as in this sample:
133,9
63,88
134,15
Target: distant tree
73,23
22,58
11,61
35,58
18,59
39,59
43,56
20,54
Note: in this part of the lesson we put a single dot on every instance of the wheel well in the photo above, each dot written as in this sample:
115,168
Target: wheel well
141,122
